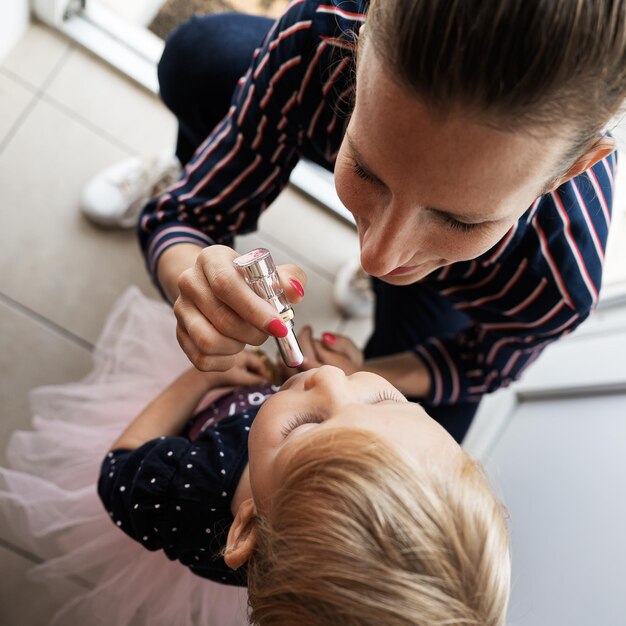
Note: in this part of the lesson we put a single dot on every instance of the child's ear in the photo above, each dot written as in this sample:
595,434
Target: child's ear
241,540
601,148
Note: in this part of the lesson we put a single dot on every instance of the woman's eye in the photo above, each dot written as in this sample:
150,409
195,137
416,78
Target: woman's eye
299,420
462,226
361,173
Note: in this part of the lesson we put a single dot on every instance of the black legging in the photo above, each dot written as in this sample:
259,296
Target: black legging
202,61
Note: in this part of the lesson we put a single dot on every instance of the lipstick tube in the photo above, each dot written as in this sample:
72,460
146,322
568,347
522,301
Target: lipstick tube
258,269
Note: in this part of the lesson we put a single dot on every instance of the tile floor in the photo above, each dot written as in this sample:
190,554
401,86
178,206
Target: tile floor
64,115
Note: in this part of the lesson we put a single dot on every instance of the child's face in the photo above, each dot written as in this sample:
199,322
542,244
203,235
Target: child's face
425,191
326,398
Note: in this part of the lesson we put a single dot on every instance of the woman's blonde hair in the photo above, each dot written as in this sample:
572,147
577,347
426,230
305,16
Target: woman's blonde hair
359,535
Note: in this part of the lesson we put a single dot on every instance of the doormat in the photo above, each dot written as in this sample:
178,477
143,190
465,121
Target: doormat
173,12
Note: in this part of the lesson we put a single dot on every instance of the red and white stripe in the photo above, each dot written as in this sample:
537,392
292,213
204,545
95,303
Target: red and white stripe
285,67
520,270
214,170
259,133
349,15
545,251
600,195
553,312
529,300
230,188
607,168
309,72
503,244
246,104
482,283
582,268
259,190
294,28
590,225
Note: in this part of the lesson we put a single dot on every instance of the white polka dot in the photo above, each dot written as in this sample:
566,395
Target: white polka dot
162,437
223,471
223,577
122,488
174,530
217,432
187,486
207,531
202,549
153,480
136,506
246,427
194,452
113,461
246,417
118,523
157,506
110,474
197,558
155,530
212,509
177,508
145,538
110,454
221,454
170,453
224,494
189,465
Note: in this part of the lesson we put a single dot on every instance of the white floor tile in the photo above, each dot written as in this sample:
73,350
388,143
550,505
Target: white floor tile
107,99
37,54
26,603
31,355
57,263
13,100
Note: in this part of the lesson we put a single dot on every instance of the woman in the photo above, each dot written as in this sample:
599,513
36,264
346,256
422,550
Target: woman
467,141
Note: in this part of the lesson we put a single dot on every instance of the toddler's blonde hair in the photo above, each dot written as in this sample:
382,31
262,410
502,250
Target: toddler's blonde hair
361,535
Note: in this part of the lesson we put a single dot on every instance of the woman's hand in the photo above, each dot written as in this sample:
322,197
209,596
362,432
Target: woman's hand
331,349
218,313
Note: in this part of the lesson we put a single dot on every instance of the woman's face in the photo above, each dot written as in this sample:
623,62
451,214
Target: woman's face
425,191
325,398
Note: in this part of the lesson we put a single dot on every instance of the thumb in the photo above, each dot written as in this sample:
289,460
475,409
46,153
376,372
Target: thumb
293,280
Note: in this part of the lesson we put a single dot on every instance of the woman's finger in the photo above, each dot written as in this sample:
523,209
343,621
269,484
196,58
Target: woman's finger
203,362
293,280
228,286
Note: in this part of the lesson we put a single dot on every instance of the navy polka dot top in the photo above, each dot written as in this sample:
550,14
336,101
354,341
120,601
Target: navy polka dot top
174,493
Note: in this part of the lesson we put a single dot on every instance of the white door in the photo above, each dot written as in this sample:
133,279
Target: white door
555,448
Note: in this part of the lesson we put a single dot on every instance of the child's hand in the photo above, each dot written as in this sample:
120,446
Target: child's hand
250,369
331,349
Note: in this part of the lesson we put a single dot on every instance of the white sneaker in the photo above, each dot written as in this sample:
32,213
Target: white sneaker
116,196
352,290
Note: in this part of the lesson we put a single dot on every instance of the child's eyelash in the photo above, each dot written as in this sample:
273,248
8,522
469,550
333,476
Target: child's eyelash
386,394
299,420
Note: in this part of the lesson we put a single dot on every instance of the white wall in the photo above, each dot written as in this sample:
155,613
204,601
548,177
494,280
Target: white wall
14,19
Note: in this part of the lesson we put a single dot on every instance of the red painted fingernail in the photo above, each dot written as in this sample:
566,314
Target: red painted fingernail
329,338
277,329
297,286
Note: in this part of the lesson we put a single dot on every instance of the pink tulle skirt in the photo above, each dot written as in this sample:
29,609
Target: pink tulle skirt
48,499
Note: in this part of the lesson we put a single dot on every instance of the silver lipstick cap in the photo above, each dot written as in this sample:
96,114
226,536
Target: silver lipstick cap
259,271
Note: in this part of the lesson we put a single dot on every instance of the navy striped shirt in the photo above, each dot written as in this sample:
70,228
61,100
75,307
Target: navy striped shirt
538,283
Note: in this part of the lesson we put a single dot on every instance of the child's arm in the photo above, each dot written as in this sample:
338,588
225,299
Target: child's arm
168,413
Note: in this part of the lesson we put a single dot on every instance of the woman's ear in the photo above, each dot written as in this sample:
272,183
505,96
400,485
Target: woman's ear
241,540
602,147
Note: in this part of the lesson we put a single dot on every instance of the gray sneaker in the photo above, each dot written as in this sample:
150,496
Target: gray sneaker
115,197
